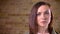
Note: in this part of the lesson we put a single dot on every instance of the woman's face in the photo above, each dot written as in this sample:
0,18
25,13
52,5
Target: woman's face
43,15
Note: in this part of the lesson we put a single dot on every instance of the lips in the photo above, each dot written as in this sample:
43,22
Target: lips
43,21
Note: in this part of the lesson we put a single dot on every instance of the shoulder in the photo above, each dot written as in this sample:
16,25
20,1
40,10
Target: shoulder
54,32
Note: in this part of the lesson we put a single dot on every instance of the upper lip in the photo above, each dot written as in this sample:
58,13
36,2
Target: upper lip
43,21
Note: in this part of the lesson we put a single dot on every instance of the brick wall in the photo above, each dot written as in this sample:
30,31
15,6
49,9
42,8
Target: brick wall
14,15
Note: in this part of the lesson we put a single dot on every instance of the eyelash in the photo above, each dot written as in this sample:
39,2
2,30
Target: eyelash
44,13
38,14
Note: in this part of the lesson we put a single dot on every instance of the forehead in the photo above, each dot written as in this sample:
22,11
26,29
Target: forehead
43,8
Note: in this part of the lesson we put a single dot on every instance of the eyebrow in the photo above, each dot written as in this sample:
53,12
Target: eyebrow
46,11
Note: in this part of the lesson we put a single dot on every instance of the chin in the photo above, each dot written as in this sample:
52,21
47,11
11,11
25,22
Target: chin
43,25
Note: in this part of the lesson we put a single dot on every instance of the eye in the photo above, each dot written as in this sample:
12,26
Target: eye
38,14
47,12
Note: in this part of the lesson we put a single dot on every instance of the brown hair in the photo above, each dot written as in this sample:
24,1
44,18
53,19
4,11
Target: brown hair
33,26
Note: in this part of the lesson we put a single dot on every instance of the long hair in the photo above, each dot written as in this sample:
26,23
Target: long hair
33,26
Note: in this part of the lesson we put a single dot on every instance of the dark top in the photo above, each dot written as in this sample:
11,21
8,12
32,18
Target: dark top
53,32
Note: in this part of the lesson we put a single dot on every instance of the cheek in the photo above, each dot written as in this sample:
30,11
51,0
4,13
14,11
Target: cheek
38,19
48,19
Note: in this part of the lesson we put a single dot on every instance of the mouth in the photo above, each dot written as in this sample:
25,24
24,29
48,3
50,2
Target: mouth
43,22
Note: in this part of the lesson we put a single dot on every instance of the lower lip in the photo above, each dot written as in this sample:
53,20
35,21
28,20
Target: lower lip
43,22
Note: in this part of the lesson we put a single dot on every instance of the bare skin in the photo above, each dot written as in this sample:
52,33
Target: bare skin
43,19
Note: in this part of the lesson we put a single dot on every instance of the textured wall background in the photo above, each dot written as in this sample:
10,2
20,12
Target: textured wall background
14,15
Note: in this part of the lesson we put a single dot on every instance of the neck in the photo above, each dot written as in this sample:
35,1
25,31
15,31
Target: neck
43,29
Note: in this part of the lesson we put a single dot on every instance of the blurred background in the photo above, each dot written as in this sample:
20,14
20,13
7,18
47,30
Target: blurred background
14,15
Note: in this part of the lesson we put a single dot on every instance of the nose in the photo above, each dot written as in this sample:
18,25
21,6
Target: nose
43,16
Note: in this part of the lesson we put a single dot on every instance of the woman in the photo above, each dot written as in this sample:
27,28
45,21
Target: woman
41,19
